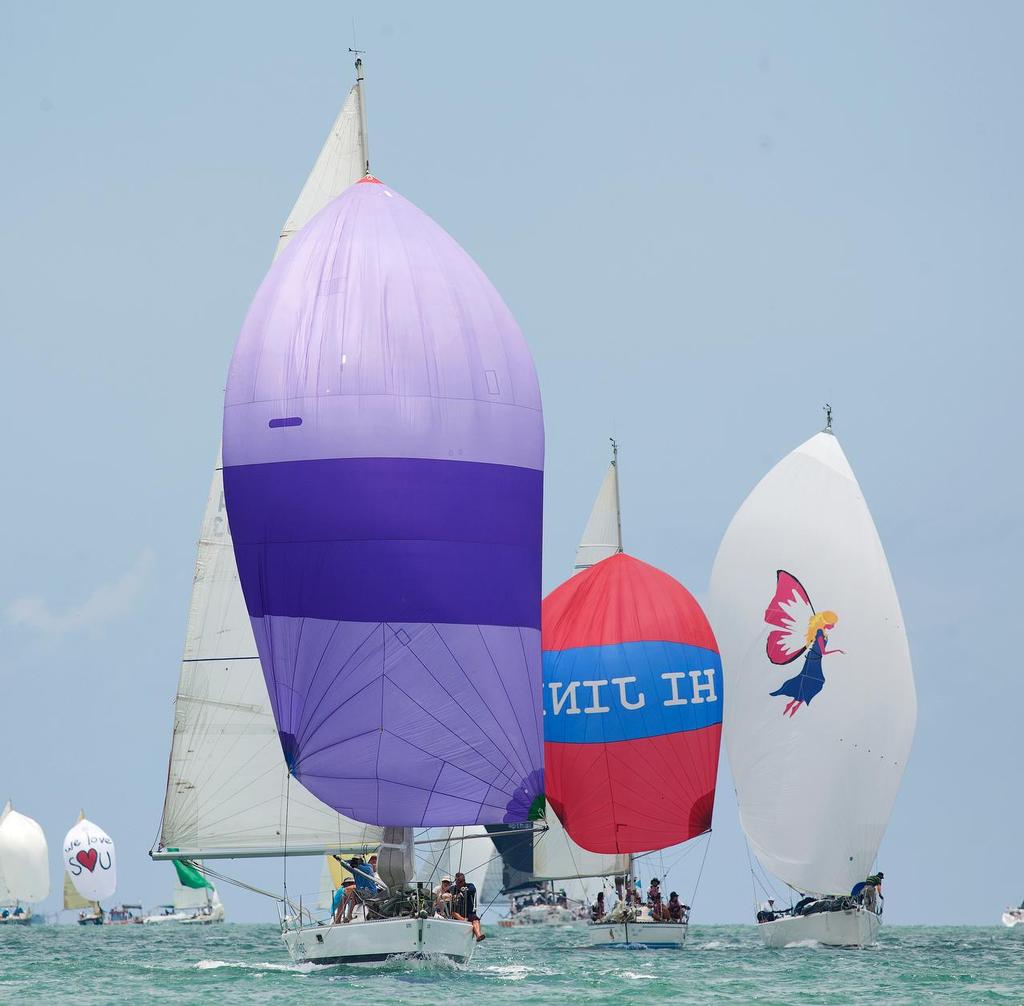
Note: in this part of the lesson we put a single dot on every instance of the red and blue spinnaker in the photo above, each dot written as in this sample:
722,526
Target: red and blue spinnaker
383,467
633,708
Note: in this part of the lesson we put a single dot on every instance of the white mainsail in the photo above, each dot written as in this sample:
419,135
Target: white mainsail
341,161
602,537
228,792
24,862
816,782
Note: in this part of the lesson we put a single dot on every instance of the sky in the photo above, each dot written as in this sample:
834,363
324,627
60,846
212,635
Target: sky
708,219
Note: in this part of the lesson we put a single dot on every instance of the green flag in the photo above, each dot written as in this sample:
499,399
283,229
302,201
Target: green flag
189,876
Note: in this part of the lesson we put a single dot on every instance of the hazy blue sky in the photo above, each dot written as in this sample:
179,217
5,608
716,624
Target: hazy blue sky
708,220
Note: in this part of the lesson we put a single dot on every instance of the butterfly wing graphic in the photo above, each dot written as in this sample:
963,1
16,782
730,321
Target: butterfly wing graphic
789,613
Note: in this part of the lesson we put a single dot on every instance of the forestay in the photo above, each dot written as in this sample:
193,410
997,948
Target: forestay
227,788
24,865
821,706
633,704
383,449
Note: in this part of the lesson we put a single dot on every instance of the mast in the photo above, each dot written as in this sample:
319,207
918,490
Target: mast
363,137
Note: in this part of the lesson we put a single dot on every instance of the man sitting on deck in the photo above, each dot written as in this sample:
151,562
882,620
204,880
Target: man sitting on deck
464,904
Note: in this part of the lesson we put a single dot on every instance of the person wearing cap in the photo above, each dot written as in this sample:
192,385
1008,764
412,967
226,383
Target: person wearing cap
363,886
464,904
443,897
654,899
767,912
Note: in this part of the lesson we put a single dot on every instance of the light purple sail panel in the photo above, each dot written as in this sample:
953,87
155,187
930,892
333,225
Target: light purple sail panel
383,468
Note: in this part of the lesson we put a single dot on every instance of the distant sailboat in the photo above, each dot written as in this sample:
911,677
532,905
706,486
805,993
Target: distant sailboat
633,702
196,901
90,862
821,695
556,857
24,867
1014,916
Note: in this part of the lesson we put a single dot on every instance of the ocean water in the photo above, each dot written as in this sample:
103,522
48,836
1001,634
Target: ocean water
231,964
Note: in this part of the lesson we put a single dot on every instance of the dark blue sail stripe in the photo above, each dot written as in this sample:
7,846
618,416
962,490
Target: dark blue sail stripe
389,539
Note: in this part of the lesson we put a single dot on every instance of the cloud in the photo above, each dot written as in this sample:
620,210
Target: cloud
108,601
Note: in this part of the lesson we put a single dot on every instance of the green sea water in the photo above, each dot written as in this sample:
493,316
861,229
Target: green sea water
232,964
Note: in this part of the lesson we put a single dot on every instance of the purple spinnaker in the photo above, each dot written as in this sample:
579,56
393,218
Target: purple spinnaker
383,475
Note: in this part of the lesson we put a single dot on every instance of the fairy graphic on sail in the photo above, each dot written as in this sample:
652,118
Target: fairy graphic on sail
798,629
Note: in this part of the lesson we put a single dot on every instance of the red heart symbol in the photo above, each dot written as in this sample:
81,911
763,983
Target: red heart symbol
87,859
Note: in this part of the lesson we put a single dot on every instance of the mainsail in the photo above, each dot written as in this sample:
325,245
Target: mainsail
602,537
383,452
821,695
633,703
227,788
24,864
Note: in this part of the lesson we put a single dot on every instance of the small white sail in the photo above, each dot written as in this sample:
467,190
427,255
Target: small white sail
602,536
557,857
90,859
24,864
816,780
227,785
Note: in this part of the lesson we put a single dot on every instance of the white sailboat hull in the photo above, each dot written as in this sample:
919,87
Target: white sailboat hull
540,915
1013,917
656,935
854,927
24,919
378,940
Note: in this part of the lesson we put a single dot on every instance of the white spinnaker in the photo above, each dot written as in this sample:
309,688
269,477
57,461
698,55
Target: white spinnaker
815,790
557,857
601,537
227,785
90,859
24,863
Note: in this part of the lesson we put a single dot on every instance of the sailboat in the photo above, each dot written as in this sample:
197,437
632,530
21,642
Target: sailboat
90,864
1013,916
556,857
196,901
821,693
24,867
383,458
632,728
